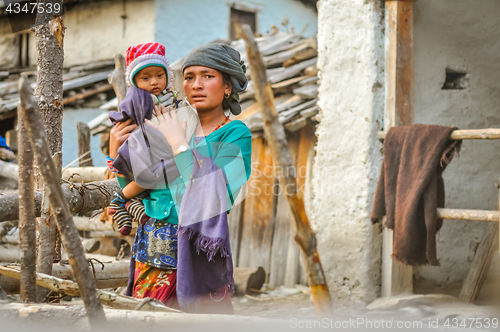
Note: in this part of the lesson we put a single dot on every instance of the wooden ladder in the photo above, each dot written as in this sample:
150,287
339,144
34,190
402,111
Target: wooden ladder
396,277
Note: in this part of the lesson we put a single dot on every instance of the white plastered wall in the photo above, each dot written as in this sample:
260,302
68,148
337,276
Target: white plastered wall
463,36
351,99
97,31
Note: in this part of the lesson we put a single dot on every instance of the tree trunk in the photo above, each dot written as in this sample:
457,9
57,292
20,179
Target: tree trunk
27,222
63,216
49,33
83,132
275,135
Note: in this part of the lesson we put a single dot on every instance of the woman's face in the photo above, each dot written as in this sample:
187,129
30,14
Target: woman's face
204,87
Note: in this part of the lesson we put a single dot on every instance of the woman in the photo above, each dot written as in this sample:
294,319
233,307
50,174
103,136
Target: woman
202,181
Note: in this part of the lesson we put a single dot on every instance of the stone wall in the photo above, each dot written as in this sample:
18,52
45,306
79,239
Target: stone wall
460,36
351,64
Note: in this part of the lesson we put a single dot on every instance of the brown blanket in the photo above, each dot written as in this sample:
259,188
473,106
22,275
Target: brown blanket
411,188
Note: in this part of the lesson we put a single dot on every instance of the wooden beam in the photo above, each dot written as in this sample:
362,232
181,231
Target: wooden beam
86,94
275,134
472,215
396,277
399,62
490,133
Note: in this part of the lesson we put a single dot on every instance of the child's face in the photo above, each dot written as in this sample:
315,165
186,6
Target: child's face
152,79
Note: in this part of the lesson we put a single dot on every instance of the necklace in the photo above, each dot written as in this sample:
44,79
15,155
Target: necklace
223,123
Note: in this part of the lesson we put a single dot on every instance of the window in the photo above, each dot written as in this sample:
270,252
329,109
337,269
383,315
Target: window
239,18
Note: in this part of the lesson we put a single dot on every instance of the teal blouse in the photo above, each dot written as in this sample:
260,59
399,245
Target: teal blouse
230,147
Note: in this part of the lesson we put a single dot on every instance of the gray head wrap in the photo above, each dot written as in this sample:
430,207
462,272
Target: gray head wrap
226,60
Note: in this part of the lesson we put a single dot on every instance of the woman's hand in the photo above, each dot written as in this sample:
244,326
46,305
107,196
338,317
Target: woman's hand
169,126
118,134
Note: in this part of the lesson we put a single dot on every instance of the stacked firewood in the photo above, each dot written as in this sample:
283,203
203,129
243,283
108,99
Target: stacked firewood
290,60
79,82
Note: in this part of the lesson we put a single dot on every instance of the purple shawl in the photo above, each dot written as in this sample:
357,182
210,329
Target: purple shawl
137,105
204,254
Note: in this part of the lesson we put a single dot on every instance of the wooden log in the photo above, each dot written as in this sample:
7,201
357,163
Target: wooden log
291,71
117,77
290,81
296,124
307,92
6,154
27,222
133,319
480,266
301,56
69,287
92,196
83,134
85,80
63,216
87,94
291,54
248,280
9,170
275,134
113,275
10,253
490,133
87,174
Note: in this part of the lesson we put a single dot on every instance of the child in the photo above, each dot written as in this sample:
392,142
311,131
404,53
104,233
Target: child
147,69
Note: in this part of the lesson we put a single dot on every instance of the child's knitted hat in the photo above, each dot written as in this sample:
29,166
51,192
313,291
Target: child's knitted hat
145,55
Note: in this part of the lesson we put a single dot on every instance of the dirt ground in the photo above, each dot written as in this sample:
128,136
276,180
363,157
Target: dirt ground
268,306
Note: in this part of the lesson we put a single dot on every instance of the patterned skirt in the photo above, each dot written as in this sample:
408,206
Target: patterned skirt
156,283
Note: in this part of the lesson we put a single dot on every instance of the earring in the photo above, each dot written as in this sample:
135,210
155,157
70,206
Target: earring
227,95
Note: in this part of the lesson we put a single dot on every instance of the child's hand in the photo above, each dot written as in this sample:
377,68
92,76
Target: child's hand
170,127
118,134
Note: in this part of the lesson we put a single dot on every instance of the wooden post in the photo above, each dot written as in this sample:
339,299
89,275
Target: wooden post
396,277
27,222
83,132
117,80
481,263
49,34
275,134
63,217
117,77
399,62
